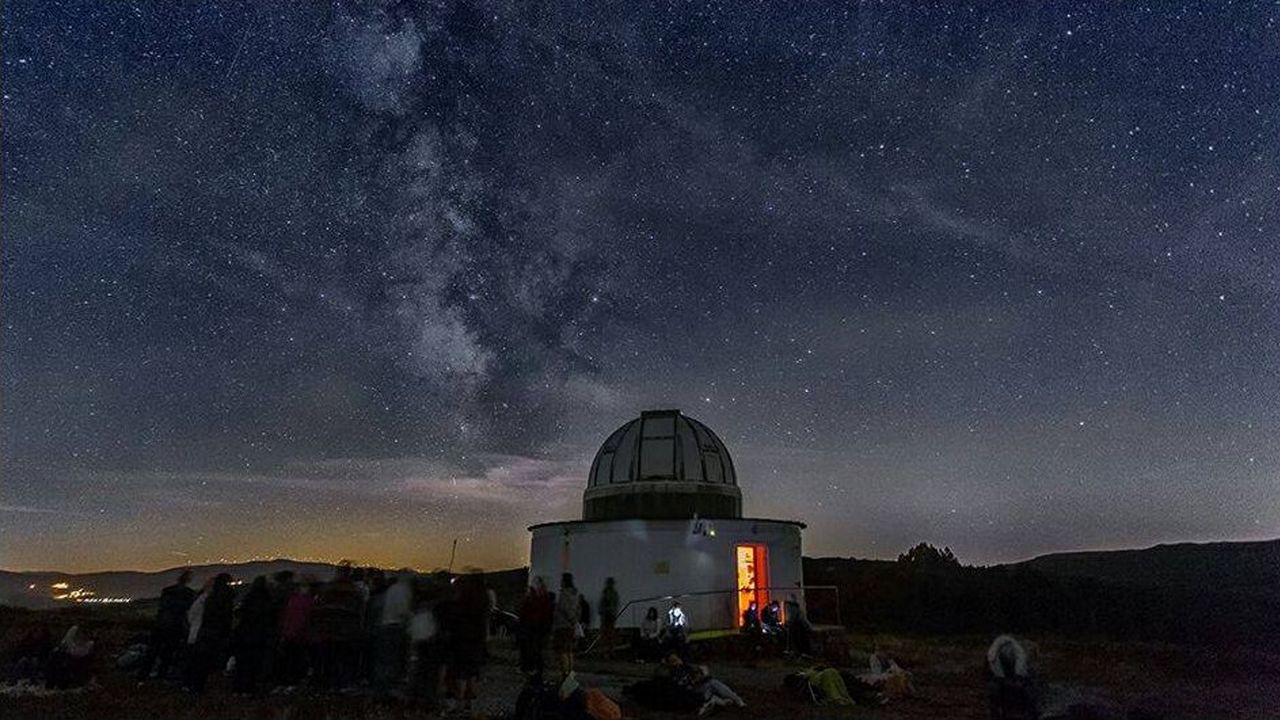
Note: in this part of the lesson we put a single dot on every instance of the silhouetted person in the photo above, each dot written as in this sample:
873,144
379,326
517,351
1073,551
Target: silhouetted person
467,628
376,584
169,633
280,588
71,663
609,603
255,626
564,623
751,619
336,618
213,634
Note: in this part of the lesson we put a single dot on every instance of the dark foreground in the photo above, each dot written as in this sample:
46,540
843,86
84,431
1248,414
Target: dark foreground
1127,680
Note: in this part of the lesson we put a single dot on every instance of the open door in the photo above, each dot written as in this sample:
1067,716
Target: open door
753,577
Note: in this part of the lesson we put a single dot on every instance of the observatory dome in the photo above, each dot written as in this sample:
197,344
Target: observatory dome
662,465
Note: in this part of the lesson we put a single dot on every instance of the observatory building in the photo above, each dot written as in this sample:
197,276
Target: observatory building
662,514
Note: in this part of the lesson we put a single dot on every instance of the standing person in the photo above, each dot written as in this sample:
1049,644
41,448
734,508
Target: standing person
295,635
169,635
255,626
371,623
534,627
280,588
564,623
609,603
336,618
467,632
390,647
798,628
212,633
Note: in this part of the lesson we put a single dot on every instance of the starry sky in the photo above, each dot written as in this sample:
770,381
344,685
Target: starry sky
354,280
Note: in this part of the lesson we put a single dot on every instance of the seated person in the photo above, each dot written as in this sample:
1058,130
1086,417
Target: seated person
71,663
675,632
1010,692
771,619
751,619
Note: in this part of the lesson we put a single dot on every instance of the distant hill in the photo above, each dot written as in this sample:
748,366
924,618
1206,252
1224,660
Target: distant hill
1203,593
1217,566
35,589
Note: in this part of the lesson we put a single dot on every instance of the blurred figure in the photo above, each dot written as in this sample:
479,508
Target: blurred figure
212,632
295,635
609,603
564,623
71,663
390,646
255,626
169,634
1010,691
336,618
798,628
534,627
426,653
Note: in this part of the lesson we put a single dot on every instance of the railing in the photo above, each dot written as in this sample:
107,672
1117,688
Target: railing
824,609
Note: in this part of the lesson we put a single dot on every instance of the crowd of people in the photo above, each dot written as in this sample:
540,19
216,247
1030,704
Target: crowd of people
423,637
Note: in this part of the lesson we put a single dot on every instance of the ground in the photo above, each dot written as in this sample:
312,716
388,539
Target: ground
1156,681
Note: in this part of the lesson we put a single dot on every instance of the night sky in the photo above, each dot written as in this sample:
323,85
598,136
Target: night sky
354,280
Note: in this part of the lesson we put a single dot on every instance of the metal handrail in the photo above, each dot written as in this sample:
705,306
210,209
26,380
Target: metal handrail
700,593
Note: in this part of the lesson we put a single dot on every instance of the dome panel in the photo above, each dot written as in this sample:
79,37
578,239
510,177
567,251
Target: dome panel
662,465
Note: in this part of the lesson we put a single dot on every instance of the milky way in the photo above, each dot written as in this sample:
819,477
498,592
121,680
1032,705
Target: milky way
356,280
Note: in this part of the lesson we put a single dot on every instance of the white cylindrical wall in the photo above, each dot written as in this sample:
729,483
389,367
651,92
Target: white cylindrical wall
655,558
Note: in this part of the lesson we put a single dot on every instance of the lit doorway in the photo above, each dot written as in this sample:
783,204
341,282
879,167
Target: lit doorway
753,578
